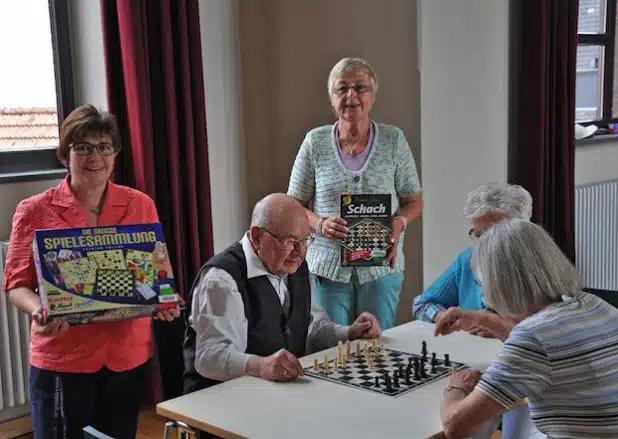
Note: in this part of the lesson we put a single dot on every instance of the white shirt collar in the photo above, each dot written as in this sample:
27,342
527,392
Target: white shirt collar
255,266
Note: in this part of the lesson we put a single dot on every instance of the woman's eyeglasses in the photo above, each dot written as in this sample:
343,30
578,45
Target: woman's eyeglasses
85,148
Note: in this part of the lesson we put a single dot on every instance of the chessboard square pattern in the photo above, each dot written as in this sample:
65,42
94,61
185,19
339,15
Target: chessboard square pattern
357,375
115,283
367,235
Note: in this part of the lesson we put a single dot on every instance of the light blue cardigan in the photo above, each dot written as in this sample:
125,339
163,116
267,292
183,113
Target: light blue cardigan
320,176
456,286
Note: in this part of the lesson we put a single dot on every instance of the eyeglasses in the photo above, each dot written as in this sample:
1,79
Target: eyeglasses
290,244
475,234
85,148
358,88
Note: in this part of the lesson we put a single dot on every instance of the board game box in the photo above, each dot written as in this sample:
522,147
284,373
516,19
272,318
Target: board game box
102,274
369,223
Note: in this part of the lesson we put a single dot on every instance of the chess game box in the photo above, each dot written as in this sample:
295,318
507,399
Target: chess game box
369,223
102,274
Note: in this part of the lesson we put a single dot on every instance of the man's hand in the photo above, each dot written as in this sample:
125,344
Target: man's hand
365,326
280,366
170,314
466,379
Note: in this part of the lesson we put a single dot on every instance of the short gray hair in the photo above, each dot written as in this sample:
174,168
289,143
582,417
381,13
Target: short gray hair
522,269
351,64
510,200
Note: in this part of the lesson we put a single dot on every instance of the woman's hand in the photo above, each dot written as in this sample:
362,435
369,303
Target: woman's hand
171,314
52,329
397,227
456,319
465,379
334,228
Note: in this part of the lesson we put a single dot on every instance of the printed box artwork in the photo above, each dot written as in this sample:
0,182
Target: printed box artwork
369,220
102,274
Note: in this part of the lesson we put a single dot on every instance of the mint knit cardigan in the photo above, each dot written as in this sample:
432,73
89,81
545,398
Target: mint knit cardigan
319,176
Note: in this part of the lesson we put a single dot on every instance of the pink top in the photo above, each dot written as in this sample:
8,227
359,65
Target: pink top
119,345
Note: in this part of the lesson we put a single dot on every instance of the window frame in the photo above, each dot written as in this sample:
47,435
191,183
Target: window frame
43,164
607,41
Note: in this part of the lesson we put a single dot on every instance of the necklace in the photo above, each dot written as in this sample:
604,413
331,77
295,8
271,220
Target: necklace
353,150
96,211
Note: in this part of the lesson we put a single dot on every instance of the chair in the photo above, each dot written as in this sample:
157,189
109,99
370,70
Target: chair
183,431
610,297
93,433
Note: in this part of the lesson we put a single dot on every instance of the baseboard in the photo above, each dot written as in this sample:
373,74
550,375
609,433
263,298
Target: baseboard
16,427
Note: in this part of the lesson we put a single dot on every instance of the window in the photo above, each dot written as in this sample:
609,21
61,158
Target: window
595,101
36,85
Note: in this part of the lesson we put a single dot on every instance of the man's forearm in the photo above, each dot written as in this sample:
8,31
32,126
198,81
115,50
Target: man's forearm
254,366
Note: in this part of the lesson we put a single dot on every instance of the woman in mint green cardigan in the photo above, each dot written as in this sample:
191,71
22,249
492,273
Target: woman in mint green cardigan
359,156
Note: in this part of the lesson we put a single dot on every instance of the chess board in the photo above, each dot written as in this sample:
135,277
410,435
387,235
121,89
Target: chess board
115,283
368,235
357,373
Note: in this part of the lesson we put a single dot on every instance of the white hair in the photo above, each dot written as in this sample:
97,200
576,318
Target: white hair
510,200
351,64
522,269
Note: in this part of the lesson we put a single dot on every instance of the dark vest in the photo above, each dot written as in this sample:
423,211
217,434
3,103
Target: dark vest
269,327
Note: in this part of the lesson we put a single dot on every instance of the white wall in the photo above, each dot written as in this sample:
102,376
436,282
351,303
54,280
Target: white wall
596,162
464,115
226,147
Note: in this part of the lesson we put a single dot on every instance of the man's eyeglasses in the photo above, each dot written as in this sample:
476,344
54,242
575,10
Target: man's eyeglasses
290,244
85,148
358,88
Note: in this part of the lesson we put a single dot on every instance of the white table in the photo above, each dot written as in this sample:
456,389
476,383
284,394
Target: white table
310,408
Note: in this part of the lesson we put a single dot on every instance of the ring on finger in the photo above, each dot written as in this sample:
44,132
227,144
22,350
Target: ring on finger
285,372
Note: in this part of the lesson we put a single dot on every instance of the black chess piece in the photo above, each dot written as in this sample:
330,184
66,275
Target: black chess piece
377,381
409,362
424,348
417,375
433,367
401,370
387,383
447,360
423,370
408,382
433,358
396,381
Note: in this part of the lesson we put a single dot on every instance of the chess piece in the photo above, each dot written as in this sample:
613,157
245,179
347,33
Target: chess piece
424,348
423,370
387,383
433,358
396,380
358,349
408,382
347,349
316,365
375,346
377,381
401,370
433,367
447,360
417,375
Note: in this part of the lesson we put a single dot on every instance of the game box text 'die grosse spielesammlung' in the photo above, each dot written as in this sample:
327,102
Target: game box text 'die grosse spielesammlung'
102,274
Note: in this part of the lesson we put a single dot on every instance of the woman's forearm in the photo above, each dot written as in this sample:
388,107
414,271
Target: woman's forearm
496,324
24,299
313,219
411,208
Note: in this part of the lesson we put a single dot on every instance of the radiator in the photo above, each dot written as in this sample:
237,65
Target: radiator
596,234
14,351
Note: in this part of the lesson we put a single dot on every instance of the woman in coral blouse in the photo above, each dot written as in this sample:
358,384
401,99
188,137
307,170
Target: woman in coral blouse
88,374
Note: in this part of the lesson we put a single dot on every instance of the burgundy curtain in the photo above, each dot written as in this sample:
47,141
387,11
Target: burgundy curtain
542,142
156,89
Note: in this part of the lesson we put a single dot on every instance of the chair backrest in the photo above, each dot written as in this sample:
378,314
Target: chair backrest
610,297
93,433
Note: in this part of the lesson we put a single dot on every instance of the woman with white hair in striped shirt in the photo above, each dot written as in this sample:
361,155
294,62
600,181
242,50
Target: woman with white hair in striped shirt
562,355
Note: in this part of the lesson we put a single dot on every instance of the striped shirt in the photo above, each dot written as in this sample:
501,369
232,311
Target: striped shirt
320,176
564,359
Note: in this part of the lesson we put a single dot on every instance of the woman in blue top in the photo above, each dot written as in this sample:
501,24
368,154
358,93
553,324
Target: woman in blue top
359,156
457,285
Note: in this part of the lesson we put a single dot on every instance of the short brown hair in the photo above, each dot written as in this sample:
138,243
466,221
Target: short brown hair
85,121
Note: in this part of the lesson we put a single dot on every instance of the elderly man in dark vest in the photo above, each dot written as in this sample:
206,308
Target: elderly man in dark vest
250,311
